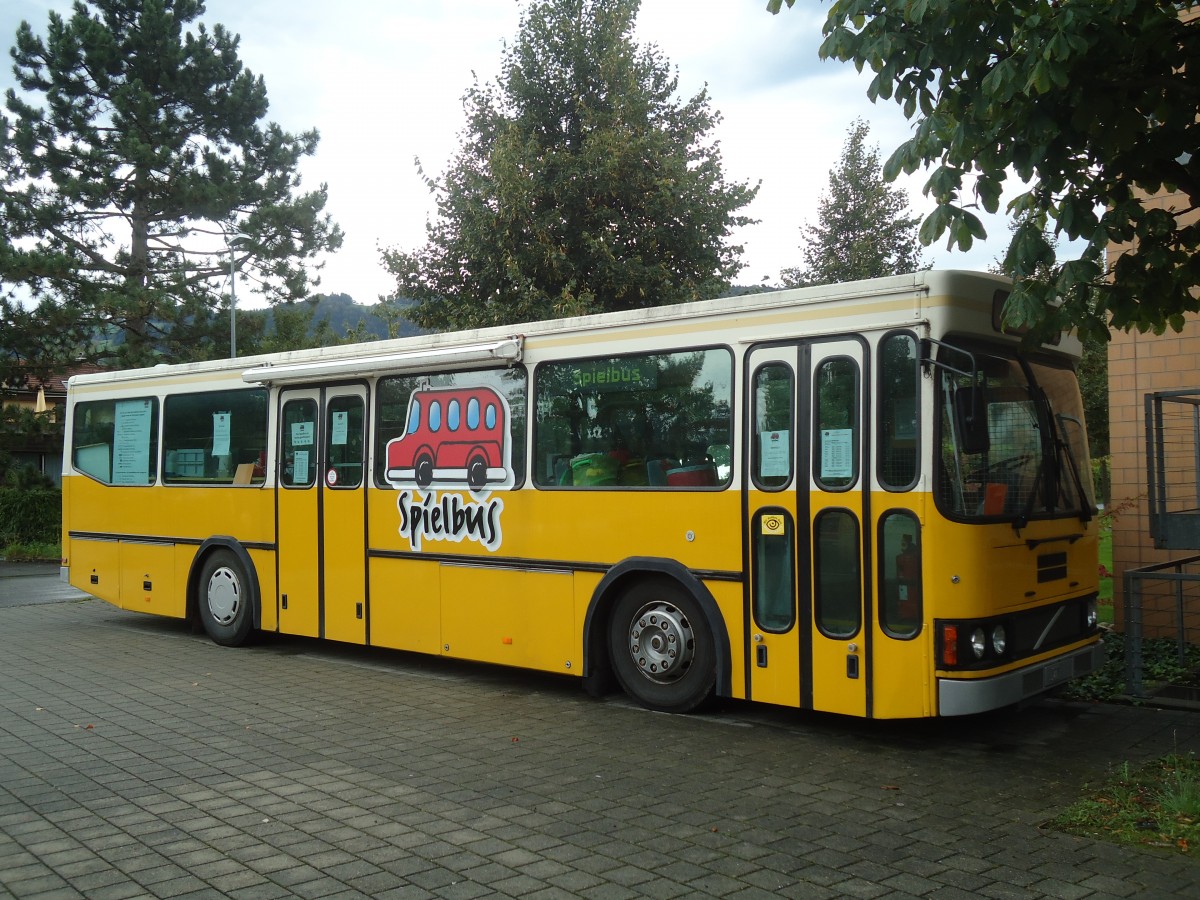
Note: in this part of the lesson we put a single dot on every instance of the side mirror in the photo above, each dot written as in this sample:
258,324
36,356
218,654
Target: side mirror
970,419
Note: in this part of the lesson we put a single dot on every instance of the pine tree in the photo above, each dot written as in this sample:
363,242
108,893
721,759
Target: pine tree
862,229
136,156
582,184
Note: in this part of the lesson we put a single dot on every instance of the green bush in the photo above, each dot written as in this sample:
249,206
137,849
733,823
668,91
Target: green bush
30,515
1160,665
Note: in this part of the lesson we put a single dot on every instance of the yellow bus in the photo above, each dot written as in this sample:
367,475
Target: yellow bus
864,498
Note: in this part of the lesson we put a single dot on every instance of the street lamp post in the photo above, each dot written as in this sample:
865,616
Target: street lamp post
232,304
230,240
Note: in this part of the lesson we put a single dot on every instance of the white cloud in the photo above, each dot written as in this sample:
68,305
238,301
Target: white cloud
383,81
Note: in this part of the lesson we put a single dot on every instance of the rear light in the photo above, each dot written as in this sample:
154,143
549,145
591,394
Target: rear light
949,645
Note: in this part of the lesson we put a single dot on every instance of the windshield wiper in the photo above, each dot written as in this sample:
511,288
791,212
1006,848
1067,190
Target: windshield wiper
1023,519
1064,447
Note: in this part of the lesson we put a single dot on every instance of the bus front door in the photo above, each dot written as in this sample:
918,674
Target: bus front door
322,512
806,546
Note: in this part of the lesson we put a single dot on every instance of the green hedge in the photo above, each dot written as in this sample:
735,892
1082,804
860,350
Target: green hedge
30,515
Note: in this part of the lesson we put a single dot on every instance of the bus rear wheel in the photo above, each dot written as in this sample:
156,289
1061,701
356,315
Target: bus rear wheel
662,648
223,599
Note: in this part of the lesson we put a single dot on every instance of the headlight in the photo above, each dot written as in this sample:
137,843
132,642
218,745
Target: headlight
1091,617
999,640
978,643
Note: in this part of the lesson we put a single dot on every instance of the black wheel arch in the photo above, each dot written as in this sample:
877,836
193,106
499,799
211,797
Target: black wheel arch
224,542
596,666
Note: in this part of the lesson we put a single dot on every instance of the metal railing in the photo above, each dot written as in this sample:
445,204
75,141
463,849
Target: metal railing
1173,468
1181,580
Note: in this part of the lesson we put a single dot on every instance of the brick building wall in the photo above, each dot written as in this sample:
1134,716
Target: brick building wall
1139,364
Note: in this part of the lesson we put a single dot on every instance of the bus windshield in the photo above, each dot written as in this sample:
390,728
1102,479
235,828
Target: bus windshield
1032,460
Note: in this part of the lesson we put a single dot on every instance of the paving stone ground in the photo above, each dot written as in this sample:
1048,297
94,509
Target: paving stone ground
140,760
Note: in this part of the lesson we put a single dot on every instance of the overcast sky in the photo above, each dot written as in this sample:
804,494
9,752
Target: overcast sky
383,80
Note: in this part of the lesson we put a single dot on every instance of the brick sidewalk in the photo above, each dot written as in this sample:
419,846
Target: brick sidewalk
139,760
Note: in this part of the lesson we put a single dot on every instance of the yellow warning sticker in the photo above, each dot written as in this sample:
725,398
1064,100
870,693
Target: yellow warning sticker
773,524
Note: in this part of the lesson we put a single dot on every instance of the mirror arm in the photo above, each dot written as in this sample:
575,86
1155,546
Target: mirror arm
928,360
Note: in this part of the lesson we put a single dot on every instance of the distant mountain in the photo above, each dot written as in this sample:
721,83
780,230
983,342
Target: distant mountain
344,315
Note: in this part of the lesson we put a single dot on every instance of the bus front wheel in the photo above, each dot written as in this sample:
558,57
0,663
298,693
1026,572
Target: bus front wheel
661,647
223,599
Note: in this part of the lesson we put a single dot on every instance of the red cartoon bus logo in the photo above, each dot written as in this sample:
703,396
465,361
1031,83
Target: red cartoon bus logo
452,436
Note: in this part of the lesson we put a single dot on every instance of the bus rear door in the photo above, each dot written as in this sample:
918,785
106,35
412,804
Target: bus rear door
322,512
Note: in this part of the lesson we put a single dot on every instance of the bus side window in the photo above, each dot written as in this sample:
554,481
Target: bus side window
774,402
653,420
838,574
835,444
299,456
900,573
344,442
899,384
420,404
211,436
116,441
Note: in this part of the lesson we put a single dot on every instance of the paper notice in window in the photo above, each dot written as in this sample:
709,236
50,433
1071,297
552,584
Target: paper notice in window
338,432
775,459
131,442
302,434
837,453
221,422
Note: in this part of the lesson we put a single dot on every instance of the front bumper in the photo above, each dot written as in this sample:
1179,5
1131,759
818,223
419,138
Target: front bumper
963,697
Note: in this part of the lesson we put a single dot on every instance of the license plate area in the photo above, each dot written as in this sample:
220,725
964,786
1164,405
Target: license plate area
1056,672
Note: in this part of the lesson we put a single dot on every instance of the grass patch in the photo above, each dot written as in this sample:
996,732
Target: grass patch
1157,805
31,551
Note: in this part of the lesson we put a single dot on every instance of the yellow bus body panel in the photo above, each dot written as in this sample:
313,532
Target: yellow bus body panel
509,616
406,604
345,570
299,563
148,579
127,537
525,603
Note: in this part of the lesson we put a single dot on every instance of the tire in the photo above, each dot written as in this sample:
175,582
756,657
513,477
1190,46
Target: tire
476,474
661,647
223,599
423,472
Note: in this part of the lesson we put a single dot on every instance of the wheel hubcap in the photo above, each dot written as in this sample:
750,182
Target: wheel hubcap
224,596
661,642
